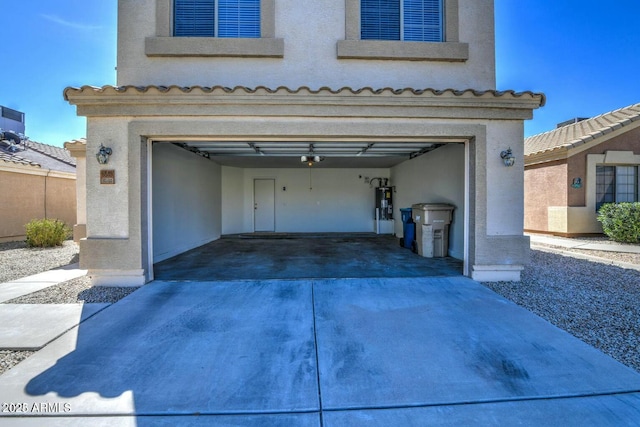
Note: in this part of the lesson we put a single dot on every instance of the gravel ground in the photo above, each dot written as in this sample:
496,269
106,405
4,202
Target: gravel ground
595,301
17,260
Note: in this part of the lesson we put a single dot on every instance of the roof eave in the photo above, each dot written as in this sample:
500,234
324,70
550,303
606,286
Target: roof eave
198,100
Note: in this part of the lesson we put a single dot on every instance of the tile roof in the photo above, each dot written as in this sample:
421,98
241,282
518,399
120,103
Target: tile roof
52,151
9,157
40,155
466,93
579,133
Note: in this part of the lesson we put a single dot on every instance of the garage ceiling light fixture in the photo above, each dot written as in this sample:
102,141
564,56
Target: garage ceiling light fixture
310,160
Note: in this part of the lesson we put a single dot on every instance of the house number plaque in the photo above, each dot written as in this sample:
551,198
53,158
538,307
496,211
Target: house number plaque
108,176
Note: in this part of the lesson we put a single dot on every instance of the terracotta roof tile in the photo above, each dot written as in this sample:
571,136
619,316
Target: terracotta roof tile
304,89
581,132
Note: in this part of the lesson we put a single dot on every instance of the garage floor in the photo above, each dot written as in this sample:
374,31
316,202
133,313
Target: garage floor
303,256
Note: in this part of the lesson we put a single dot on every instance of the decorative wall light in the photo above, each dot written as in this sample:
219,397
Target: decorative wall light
103,154
507,157
577,183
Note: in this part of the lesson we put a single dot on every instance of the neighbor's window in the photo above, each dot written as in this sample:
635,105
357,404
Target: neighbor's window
408,20
616,184
217,18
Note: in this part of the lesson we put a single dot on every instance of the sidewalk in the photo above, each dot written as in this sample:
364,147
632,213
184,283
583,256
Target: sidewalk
32,326
586,244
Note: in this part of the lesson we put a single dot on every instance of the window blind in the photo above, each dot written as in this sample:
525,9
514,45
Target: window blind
422,20
239,18
380,19
194,18
217,18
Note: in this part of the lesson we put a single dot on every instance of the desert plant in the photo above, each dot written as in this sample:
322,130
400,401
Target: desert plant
46,233
621,221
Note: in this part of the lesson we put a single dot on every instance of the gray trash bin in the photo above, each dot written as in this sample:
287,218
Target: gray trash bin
432,228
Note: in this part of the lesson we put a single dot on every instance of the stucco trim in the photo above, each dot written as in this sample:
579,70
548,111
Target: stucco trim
399,50
214,47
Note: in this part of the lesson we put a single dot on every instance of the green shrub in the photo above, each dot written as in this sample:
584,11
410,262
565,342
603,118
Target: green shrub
621,221
46,233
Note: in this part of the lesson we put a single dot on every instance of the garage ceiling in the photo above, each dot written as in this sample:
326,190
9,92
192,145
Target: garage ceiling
287,154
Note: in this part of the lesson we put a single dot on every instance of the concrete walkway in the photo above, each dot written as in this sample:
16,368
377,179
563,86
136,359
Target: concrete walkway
577,243
319,352
32,326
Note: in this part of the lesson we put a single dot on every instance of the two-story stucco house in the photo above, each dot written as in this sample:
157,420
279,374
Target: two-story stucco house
218,100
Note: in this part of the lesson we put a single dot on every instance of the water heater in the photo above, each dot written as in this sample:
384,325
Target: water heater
384,203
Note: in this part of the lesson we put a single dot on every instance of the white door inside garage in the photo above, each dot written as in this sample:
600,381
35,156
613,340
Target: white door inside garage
264,205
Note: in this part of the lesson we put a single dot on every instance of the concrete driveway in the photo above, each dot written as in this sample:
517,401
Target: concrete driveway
319,352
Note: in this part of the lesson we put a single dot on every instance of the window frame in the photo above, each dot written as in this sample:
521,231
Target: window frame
614,185
165,44
450,49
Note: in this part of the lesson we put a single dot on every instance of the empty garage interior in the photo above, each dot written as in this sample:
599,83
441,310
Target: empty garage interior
203,191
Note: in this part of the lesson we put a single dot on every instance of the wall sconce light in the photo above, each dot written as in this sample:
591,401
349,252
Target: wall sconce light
577,183
507,157
103,154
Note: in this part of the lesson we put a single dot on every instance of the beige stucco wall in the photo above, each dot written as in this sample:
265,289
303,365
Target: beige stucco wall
32,193
311,31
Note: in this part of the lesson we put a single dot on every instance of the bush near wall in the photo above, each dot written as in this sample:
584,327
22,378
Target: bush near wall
46,233
621,221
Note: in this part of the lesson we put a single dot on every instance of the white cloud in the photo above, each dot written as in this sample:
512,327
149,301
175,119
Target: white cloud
74,25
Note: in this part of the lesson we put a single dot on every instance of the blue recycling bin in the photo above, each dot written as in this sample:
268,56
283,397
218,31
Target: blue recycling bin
408,228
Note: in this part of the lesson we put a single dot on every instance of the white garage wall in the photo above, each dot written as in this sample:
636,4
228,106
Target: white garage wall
339,201
436,177
233,200
186,201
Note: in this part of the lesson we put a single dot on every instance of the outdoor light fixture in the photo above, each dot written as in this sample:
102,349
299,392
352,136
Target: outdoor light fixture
310,160
103,154
507,157
577,183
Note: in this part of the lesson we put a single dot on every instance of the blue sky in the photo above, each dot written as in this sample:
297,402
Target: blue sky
579,53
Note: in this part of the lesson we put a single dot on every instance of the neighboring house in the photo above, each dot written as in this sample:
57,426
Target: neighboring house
38,181
572,170
217,101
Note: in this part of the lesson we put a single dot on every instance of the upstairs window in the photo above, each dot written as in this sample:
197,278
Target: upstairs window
217,18
408,20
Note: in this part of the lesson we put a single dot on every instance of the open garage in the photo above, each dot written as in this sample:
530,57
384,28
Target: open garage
190,165
285,190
